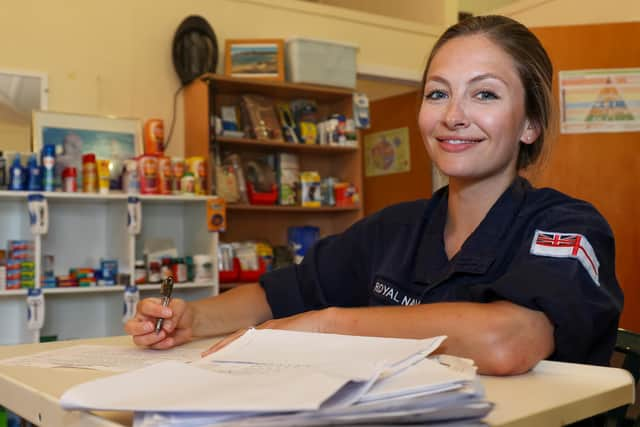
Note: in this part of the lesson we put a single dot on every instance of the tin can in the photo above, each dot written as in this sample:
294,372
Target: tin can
196,165
148,174
89,173
177,169
165,176
69,179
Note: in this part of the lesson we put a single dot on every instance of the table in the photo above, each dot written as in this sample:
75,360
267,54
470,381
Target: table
552,394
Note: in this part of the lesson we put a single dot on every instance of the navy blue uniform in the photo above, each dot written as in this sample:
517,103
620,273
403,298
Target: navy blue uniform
537,248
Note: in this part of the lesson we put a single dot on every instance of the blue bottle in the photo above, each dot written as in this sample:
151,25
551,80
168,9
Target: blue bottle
34,182
48,167
17,181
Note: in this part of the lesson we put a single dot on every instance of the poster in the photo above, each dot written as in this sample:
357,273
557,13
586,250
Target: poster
387,152
605,100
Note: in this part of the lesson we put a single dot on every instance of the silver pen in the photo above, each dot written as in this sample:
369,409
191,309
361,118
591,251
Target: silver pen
165,290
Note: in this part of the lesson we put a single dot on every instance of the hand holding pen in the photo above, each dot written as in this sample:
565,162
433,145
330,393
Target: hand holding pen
165,290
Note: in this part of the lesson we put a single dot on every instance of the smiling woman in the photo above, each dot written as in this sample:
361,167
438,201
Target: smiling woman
510,273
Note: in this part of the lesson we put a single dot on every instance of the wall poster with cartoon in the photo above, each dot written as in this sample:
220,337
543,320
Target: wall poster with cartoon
387,152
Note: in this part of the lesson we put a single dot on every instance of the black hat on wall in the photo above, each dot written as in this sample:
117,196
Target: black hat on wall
195,49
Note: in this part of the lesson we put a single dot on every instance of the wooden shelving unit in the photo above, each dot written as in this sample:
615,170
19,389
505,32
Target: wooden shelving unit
203,99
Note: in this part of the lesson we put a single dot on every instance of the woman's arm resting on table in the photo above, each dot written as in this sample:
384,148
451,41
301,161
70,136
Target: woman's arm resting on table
501,337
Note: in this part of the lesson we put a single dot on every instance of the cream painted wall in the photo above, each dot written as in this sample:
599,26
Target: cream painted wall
547,13
481,7
115,57
431,12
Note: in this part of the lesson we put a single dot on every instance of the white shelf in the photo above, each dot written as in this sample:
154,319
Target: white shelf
114,195
105,289
83,229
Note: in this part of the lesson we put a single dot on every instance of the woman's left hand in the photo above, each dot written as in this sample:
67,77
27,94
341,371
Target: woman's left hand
309,321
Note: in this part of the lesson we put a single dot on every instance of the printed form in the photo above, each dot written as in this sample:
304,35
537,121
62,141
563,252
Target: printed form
317,369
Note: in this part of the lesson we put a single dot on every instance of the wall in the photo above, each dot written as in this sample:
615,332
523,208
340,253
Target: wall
115,57
431,12
602,168
546,13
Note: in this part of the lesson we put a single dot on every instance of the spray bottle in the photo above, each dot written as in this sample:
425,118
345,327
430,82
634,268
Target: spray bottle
16,175
49,167
34,182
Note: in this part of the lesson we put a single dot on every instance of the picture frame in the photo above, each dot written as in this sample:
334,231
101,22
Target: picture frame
254,58
113,138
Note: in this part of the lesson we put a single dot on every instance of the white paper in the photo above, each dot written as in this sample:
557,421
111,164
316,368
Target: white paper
355,356
103,358
175,386
289,371
422,378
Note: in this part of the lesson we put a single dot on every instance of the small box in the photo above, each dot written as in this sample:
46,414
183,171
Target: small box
288,177
320,62
310,189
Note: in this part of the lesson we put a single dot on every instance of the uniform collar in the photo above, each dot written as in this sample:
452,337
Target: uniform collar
479,251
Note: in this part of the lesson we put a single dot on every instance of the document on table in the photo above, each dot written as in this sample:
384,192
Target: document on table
429,397
317,369
103,358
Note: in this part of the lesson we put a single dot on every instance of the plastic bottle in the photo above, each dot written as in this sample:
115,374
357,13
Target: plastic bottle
3,171
16,175
48,167
34,183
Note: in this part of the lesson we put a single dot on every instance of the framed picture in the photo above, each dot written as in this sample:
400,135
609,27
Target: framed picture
255,58
115,139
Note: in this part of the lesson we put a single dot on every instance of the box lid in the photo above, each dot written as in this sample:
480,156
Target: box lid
309,39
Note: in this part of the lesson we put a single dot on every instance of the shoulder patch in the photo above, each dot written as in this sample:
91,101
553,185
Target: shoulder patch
567,245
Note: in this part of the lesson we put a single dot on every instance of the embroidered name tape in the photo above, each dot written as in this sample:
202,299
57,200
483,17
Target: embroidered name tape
392,294
567,245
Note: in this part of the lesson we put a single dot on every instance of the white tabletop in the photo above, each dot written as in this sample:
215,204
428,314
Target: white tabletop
552,394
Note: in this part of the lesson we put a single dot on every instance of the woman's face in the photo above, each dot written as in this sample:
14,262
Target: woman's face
472,117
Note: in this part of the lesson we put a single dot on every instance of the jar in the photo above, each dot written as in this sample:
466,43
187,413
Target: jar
70,179
140,272
89,173
154,272
179,269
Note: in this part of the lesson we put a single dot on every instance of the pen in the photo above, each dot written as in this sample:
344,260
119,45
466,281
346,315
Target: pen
165,290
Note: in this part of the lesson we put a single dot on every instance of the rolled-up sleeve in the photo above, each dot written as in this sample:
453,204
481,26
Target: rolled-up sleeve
331,274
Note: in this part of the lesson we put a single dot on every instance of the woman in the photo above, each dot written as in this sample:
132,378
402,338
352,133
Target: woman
511,274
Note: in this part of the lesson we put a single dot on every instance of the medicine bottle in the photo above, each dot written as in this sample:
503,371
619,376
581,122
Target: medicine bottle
140,272
179,269
89,173
154,272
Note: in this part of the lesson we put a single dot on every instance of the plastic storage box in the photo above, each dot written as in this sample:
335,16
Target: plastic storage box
320,62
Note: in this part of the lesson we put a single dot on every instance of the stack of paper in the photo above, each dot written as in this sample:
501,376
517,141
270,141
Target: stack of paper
280,378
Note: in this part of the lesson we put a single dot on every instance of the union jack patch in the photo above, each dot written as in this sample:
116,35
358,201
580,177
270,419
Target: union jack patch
567,245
